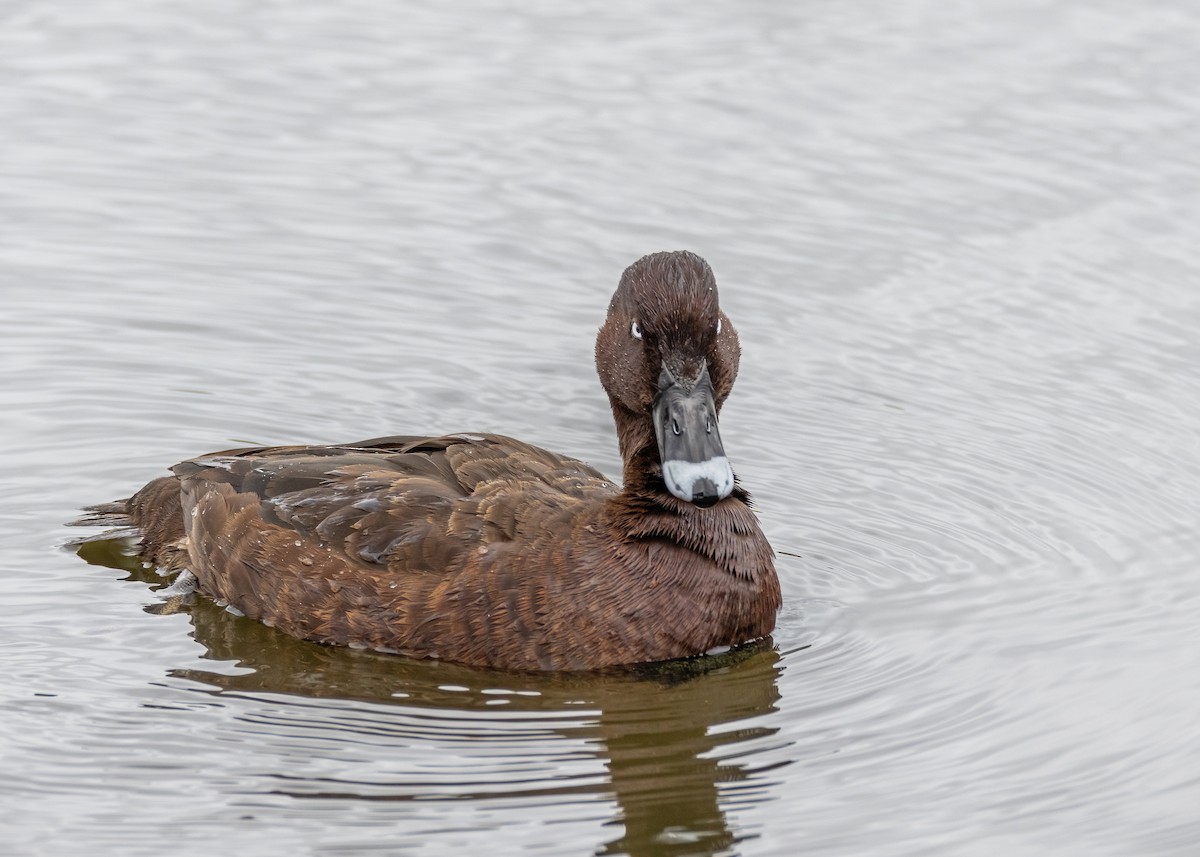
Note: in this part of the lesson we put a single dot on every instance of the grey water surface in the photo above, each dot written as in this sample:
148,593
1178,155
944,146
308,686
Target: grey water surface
961,243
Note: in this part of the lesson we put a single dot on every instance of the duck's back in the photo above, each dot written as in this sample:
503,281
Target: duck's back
412,504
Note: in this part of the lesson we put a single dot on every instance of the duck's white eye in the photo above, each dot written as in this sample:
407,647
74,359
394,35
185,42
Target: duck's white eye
718,325
635,330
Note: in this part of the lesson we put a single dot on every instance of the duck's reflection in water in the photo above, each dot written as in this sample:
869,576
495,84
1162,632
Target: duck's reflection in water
661,730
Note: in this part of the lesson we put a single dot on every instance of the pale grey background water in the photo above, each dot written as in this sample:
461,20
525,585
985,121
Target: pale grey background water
961,242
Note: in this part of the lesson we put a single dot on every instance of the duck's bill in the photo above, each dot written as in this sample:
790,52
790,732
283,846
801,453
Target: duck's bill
694,465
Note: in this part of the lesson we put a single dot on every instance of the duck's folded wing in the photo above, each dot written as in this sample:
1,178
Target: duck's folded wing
411,504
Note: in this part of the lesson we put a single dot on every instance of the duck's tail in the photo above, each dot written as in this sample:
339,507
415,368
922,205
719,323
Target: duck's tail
114,517
153,514
114,514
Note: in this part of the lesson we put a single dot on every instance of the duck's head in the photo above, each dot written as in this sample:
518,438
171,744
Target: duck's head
667,356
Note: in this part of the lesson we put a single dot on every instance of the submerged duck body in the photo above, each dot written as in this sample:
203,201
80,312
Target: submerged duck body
484,550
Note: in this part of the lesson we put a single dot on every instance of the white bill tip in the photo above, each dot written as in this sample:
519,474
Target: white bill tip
682,476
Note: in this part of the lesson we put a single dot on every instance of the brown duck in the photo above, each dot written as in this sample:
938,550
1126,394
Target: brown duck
488,551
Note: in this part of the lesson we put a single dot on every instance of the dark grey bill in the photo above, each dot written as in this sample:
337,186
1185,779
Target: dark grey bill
689,444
